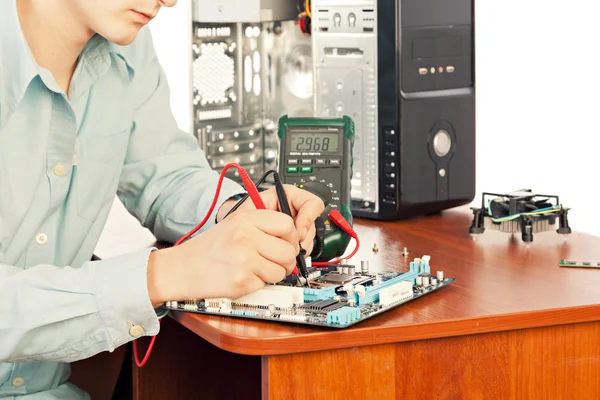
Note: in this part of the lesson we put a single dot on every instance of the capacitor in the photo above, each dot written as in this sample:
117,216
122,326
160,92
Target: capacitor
419,281
364,266
343,261
351,269
434,280
440,276
345,270
271,309
340,269
426,281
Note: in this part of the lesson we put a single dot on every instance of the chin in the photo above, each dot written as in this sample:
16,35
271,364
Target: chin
124,36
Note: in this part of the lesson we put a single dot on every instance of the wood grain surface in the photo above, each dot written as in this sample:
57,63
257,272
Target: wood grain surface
551,363
502,284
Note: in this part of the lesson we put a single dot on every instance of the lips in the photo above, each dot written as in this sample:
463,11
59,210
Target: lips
147,15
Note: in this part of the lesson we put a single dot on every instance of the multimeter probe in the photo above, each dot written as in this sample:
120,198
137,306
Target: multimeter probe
254,195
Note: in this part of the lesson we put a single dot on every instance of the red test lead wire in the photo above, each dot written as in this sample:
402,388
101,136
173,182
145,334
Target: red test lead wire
340,222
250,188
258,203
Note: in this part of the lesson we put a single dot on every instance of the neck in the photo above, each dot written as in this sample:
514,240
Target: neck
55,34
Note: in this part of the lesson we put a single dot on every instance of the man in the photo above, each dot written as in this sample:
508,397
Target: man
84,114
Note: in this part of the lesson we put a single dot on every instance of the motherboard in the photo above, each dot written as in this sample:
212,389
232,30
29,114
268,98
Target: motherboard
336,296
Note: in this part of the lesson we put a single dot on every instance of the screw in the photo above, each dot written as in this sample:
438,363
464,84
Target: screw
375,249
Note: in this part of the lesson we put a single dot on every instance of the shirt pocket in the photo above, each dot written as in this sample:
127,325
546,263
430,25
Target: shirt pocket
99,162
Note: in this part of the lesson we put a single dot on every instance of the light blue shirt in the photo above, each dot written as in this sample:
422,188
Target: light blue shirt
62,159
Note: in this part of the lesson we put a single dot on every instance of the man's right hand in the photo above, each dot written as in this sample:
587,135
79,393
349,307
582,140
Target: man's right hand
233,258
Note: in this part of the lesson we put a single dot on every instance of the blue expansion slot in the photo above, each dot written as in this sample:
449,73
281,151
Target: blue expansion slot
343,316
372,293
318,294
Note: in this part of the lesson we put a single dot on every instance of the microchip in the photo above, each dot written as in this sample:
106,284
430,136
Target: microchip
338,279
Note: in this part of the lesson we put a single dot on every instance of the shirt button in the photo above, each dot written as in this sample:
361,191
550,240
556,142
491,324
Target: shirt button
41,238
59,170
18,381
136,331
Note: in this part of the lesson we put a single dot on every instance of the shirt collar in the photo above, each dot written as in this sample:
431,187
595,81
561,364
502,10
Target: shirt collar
19,68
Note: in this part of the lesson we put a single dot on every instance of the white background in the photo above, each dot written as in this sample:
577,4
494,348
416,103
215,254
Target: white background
538,81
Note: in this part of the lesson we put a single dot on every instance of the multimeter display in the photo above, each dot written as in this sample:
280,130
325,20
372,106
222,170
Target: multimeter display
328,142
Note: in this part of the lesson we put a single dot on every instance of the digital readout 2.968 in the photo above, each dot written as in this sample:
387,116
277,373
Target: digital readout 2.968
323,142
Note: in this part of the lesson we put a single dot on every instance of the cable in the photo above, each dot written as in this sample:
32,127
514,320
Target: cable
515,216
340,221
319,238
250,188
257,184
256,199
304,19
301,22
285,208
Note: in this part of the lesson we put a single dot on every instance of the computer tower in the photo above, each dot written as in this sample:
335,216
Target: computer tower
404,71
250,65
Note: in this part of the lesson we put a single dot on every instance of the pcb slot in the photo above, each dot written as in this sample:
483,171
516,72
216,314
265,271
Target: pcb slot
334,307
319,305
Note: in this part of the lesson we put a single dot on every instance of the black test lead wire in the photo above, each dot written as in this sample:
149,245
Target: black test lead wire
285,208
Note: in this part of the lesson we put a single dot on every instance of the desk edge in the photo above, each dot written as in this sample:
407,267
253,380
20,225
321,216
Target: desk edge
358,337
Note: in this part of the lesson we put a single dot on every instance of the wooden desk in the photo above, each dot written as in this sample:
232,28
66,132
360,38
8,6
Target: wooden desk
513,326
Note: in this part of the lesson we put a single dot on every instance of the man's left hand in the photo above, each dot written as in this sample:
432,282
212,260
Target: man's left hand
305,208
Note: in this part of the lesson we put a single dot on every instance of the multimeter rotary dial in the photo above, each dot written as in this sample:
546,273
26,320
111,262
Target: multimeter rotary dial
318,189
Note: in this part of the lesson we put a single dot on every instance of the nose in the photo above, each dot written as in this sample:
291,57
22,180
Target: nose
167,3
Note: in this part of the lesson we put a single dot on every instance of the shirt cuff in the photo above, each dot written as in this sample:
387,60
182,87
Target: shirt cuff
121,289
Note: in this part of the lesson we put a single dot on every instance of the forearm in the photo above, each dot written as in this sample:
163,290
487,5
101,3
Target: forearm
50,313
173,202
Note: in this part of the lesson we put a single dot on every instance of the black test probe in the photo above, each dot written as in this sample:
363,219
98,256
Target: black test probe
285,208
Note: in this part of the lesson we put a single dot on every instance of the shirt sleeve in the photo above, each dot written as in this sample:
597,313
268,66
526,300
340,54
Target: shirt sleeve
167,182
64,314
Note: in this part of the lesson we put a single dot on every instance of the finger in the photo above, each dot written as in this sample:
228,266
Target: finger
255,283
308,207
277,250
275,224
269,197
268,271
308,243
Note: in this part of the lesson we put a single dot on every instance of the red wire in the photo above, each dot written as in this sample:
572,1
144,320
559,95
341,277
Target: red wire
302,26
340,221
258,203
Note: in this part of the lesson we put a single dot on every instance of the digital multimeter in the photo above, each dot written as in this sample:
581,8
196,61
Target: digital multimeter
315,154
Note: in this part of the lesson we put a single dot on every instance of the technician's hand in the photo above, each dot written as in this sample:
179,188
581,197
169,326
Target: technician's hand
305,207
237,256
